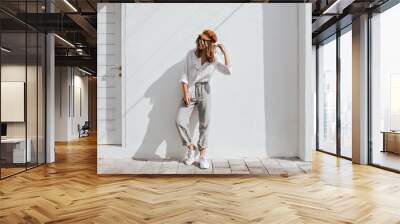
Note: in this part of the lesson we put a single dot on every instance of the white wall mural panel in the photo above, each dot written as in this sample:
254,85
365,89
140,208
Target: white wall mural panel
256,111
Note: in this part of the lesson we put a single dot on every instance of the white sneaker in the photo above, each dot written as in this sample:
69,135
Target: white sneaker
190,157
204,163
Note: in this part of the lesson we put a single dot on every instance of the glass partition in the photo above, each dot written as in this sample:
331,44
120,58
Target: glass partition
14,153
22,77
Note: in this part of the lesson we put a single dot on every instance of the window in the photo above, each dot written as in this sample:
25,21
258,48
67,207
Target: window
327,97
385,89
346,95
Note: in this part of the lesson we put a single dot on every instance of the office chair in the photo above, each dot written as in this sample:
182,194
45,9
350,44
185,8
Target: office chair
84,130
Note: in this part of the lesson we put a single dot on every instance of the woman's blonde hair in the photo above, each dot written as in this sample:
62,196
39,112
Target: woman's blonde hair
210,50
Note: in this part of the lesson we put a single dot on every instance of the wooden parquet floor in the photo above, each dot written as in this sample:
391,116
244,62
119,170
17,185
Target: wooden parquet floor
70,191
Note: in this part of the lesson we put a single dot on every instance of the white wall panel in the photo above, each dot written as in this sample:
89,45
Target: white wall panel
260,111
108,70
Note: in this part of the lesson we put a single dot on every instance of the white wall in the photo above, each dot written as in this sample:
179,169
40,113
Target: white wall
61,103
314,75
109,98
306,85
68,81
80,109
261,110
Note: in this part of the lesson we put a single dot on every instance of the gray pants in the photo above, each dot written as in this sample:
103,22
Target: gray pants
201,99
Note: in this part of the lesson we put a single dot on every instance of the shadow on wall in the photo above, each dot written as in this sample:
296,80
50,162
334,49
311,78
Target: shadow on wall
279,92
165,96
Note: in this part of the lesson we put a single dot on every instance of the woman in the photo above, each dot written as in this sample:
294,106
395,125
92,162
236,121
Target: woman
200,65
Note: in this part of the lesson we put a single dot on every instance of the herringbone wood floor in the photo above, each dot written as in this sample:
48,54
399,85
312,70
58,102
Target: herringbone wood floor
70,191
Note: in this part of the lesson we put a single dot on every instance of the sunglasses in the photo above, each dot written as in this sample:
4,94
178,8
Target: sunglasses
202,41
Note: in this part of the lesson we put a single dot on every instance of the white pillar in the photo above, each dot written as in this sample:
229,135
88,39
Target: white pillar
50,99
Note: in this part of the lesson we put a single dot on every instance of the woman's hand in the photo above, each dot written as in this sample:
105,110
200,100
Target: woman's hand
186,95
186,99
222,47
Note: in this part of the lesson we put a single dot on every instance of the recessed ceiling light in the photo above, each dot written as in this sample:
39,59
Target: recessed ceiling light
5,50
84,71
70,5
331,7
64,40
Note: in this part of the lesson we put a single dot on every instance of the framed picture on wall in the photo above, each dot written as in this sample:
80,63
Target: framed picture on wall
12,101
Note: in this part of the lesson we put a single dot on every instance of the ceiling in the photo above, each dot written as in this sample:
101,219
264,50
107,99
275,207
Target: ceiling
74,21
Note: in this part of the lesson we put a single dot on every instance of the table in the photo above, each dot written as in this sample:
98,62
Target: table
13,150
391,141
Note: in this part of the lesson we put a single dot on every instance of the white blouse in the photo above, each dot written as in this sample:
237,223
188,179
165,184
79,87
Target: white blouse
194,71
